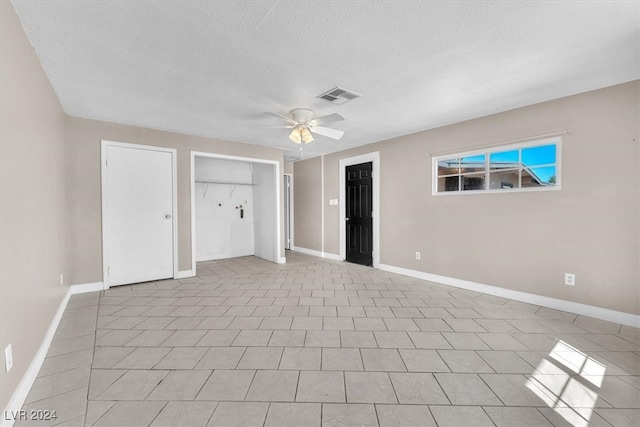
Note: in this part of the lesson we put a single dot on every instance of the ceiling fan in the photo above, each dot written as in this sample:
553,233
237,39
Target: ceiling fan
303,125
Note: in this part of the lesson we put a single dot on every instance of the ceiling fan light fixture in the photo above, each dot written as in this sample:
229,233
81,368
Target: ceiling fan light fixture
303,126
295,136
306,135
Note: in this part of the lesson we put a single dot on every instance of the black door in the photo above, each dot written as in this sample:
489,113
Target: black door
358,214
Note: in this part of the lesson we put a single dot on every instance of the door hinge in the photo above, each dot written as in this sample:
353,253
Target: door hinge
108,271
106,163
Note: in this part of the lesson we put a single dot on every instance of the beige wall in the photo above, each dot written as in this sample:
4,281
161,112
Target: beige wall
307,210
33,208
519,241
83,141
288,168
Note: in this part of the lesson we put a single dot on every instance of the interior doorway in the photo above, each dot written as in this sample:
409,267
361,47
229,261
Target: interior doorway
358,213
363,244
138,213
235,208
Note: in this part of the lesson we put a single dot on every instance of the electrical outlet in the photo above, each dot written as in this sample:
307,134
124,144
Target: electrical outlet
569,279
417,255
8,358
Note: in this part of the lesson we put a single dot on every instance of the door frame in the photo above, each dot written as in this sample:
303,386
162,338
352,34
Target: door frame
374,158
278,183
104,145
291,245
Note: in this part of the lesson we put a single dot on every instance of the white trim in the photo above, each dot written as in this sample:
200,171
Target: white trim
86,287
174,194
322,203
319,254
333,257
282,260
557,140
374,158
497,191
185,273
291,221
22,391
306,251
192,184
278,185
554,303
26,383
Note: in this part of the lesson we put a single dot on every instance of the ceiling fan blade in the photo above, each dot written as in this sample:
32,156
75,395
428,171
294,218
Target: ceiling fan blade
335,117
328,132
275,127
289,119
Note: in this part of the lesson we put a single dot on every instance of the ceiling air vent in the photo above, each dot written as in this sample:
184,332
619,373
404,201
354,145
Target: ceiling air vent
338,96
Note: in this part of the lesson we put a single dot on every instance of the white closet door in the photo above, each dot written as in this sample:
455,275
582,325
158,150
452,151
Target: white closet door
138,210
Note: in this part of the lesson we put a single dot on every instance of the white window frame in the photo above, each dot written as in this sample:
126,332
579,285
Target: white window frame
487,152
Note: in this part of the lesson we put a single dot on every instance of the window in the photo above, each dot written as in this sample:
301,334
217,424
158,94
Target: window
531,166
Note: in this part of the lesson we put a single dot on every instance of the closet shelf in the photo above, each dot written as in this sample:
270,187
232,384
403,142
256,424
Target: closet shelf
213,181
209,181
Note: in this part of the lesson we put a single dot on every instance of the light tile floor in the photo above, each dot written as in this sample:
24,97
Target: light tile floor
316,342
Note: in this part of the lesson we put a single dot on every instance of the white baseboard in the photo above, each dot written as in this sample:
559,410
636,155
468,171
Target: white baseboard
20,395
184,274
319,254
282,260
557,304
86,287
306,251
331,256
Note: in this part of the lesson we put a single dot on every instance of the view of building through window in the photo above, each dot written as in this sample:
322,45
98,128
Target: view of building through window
534,165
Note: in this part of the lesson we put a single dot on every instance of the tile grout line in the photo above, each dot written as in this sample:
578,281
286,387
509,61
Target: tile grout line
95,338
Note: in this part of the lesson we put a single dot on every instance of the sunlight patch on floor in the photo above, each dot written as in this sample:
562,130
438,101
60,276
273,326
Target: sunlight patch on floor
568,381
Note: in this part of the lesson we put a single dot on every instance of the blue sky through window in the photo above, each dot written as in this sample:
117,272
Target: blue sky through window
504,157
544,155
545,173
479,158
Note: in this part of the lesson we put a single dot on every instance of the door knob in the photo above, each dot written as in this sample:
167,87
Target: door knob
167,216
347,219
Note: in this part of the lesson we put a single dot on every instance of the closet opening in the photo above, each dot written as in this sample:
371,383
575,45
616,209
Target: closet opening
234,208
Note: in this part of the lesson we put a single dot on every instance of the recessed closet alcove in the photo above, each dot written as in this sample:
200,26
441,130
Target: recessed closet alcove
235,205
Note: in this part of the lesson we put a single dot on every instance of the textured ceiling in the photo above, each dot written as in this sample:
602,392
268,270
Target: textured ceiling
212,68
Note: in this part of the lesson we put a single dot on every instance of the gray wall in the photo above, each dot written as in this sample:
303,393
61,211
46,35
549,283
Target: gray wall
83,141
264,211
33,206
307,196
520,241
288,168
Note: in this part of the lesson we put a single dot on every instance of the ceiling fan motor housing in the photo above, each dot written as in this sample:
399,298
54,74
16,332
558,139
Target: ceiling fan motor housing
301,115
